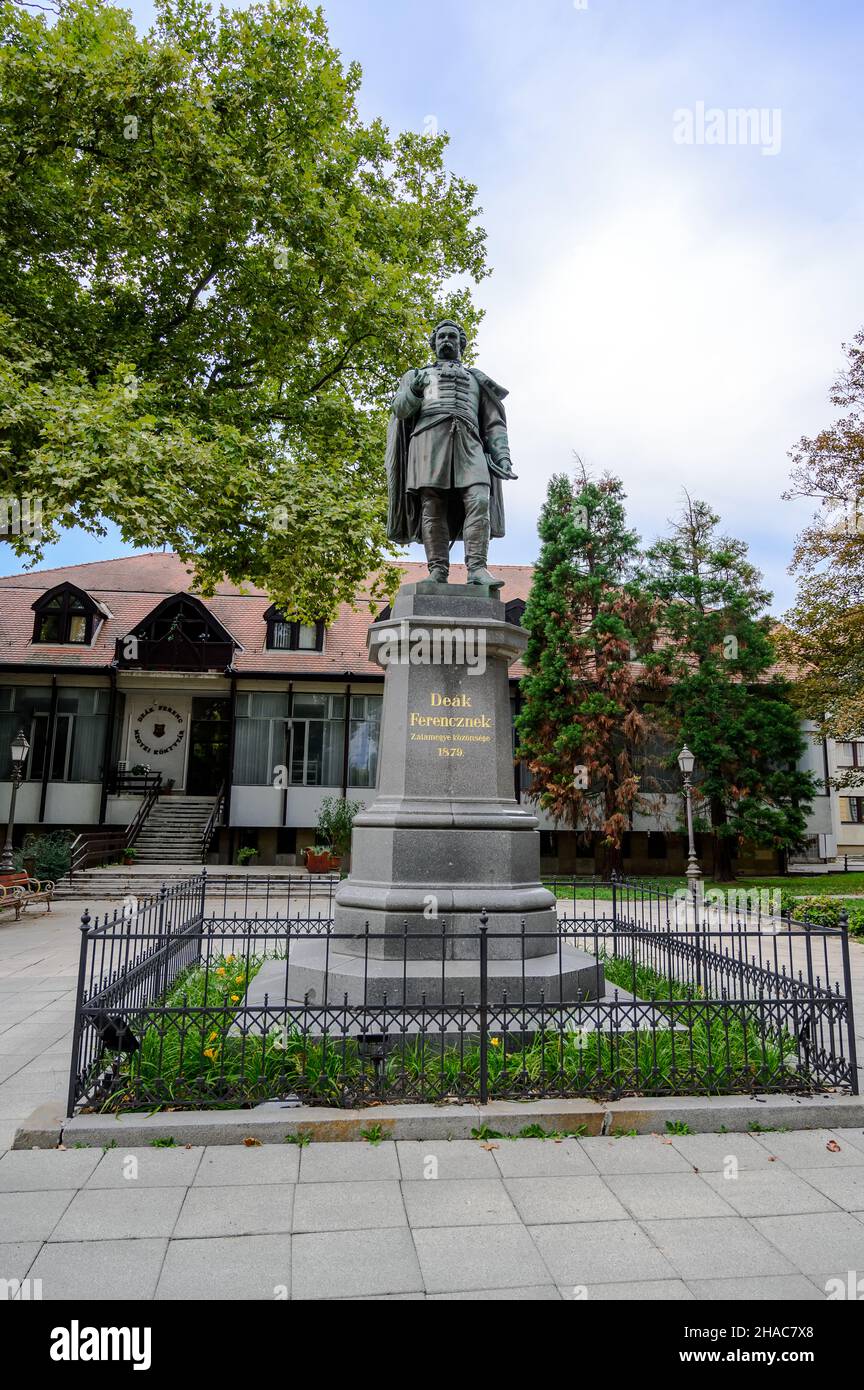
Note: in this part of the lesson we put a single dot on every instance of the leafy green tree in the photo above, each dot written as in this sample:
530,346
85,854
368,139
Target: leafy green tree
212,273
823,637
725,697
582,719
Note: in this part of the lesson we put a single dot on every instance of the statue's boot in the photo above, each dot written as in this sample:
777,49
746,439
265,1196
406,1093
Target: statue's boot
482,576
476,534
436,535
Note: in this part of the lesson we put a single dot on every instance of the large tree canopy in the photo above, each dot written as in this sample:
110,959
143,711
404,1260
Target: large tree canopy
825,632
212,273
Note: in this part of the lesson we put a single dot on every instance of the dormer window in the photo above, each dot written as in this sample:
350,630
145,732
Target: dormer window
66,616
514,611
286,636
180,634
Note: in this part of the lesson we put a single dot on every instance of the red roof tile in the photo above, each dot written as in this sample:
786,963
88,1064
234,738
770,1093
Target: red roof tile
132,586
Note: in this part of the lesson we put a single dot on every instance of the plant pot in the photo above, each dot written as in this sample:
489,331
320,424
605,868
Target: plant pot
318,863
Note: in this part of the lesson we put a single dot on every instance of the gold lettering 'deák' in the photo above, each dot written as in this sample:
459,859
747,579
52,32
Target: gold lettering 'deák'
450,721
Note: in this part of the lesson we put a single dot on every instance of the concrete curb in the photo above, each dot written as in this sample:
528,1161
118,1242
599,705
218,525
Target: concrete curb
274,1123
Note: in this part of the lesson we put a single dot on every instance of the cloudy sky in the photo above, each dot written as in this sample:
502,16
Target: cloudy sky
673,311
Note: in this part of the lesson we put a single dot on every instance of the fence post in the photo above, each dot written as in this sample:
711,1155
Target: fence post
694,889
614,914
484,1008
162,973
843,923
201,914
77,1025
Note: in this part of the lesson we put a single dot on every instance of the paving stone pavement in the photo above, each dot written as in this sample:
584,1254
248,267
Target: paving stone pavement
770,1216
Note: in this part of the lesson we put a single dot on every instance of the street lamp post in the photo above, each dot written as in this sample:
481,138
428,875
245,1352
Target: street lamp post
19,749
686,762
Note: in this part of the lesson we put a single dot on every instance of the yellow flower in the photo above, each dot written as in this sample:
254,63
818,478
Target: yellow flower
234,998
496,1042
238,979
221,970
213,1035
229,959
211,1053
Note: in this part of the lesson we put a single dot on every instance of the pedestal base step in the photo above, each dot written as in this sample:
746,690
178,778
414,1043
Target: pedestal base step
313,973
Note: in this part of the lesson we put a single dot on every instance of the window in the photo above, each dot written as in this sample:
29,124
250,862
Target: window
850,754
261,723
286,636
514,610
854,810
65,616
363,739
75,750
316,740
307,737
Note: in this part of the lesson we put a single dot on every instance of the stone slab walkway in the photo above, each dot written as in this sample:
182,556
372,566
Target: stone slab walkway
772,1216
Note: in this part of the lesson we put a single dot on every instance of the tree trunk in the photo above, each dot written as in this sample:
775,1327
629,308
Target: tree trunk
722,844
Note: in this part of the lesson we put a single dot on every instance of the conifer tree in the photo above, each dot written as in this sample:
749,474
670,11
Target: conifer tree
725,698
581,721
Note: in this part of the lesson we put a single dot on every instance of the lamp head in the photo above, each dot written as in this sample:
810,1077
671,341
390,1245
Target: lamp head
19,748
686,761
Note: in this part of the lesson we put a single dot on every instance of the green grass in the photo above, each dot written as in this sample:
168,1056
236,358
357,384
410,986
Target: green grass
798,885
193,1060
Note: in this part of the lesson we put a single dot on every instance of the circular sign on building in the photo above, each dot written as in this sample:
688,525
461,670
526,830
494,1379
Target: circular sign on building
159,730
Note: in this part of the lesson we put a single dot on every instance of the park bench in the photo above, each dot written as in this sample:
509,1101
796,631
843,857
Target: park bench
18,890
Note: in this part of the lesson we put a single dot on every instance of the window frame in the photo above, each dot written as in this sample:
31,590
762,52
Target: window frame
74,603
275,619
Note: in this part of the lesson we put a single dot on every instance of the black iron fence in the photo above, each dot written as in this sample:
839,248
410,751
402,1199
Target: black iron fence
185,1001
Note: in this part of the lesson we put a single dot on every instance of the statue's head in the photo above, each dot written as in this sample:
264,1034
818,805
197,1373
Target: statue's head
448,340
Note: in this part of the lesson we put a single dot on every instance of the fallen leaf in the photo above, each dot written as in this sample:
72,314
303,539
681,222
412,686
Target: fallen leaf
252,1143
772,1158
489,1147
833,1147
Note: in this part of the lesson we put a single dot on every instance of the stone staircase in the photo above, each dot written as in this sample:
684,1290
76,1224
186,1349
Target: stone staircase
172,832
114,882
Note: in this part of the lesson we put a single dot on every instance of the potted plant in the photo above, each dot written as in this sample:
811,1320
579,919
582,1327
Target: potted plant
319,859
332,834
130,854
246,856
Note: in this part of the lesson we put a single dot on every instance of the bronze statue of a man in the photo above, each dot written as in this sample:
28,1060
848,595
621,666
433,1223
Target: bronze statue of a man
447,451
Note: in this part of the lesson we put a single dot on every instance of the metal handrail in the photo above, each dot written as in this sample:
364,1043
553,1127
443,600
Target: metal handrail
213,820
95,849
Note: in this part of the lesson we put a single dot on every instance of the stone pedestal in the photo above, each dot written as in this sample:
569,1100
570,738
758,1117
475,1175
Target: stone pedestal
445,838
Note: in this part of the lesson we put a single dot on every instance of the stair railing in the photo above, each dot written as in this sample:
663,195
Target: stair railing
99,848
214,819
